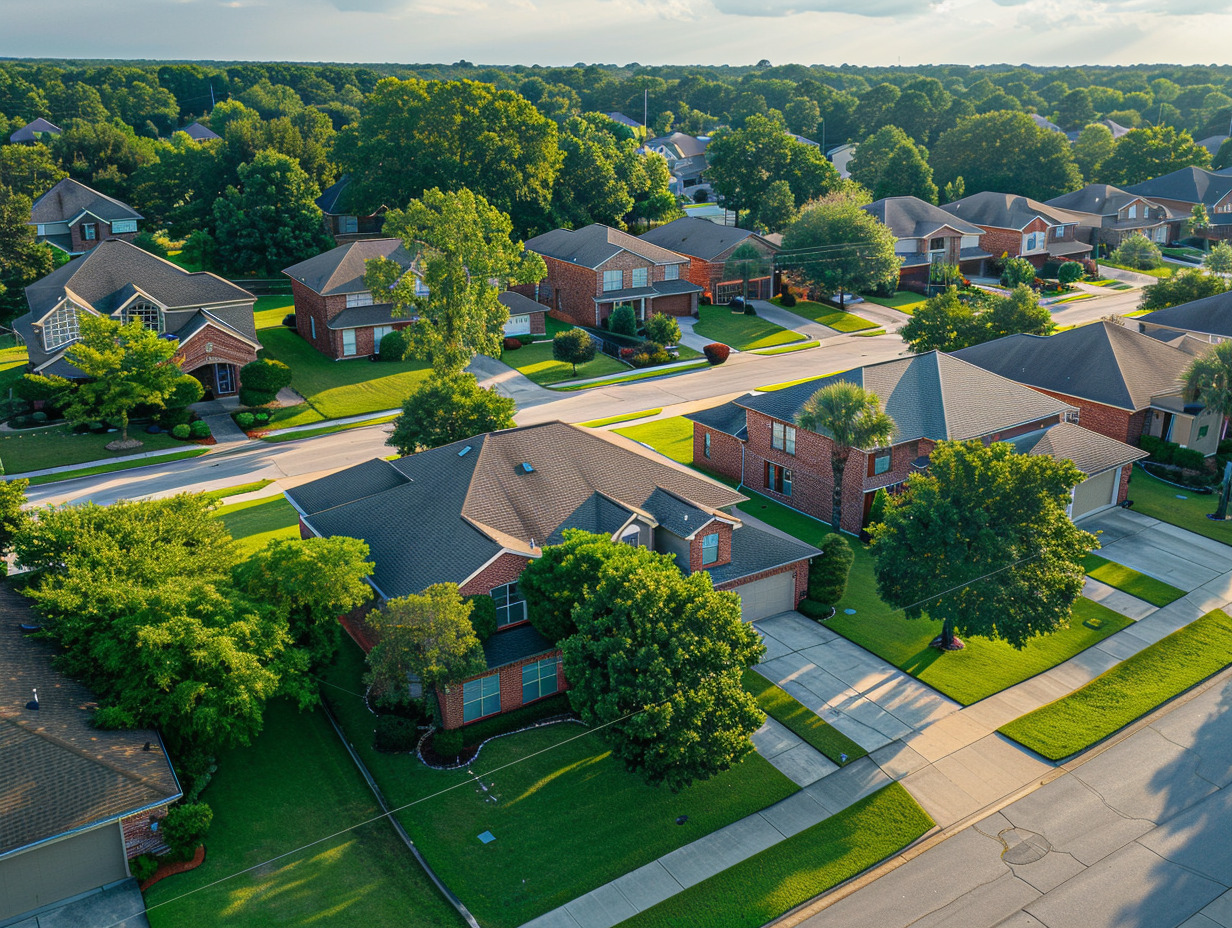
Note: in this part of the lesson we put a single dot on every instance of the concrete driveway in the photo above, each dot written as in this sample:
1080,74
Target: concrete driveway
1157,549
119,906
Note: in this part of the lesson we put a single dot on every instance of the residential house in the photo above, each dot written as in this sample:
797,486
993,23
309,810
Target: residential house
526,317
1019,227
932,397
200,133
345,220
625,121
476,512
211,318
1207,321
686,161
1212,143
1115,128
593,270
708,246
1108,215
77,802
1124,384
1184,189
1044,123
35,131
74,218
840,156
927,235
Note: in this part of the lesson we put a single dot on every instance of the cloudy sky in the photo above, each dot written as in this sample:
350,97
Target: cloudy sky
558,32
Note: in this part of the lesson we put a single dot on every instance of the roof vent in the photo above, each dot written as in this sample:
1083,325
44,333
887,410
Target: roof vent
463,452
33,704
527,468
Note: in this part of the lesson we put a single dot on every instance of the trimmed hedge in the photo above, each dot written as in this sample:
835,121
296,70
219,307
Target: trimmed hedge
395,734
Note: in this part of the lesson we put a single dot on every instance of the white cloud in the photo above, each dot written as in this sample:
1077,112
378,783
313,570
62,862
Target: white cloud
897,8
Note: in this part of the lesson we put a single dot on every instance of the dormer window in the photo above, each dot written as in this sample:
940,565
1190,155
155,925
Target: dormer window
61,327
149,315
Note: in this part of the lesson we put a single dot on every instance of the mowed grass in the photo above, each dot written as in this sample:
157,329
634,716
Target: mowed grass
294,785
1130,581
115,466
1128,691
36,449
645,374
566,816
256,523
672,437
801,721
744,333
757,890
1182,508
905,301
269,311
827,315
626,417
535,361
337,389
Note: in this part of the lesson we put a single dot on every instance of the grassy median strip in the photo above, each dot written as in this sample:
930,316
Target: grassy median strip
801,721
327,429
627,417
1128,691
781,877
108,468
237,490
629,378
784,349
1130,581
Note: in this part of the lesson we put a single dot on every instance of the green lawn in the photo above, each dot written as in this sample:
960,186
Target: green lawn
1130,581
328,429
269,311
294,785
256,523
672,437
758,890
801,721
567,818
1183,508
12,367
905,301
336,389
237,490
785,349
535,361
1161,272
827,315
744,333
1129,690
637,375
118,465
36,449
626,417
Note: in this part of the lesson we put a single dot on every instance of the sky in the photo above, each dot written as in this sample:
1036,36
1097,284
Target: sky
564,32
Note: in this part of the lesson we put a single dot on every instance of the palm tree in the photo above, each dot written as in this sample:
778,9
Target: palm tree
850,417
1209,377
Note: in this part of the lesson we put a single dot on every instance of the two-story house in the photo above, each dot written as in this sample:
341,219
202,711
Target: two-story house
926,235
344,219
1019,227
709,246
211,318
593,270
1110,215
1124,384
931,397
1184,189
74,218
686,160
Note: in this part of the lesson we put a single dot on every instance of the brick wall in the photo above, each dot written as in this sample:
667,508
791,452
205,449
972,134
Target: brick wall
1120,424
1123,490
214,346
310,304
724,532
679,304
102,231
997,241
139,838
800,568
573,290
726,452
505,569
510,690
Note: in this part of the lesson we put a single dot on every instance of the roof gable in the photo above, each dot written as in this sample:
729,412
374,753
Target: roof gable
1005,211
594,245
911,217
1211,315
342,269
700,238
69,199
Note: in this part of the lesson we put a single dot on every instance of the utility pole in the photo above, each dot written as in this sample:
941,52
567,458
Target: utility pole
646,108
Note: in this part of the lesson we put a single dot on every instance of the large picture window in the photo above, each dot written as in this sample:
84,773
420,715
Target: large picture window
123,226
510,606
480,698
783,437
379,332
538,679
61,327
671,272
348,341
881,462
359,299
613,280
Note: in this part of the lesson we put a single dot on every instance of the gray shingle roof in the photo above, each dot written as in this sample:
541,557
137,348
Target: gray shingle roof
754,551
911,217
346,486
519,304
685,146
596,514
200,133
69,198
930,395
31,130
1189,185
1103,362
361,316
699,238
1092,452
1097,199
1211,315
1045,123
341,269
678,516
593,245
515,644
1004,210
730,418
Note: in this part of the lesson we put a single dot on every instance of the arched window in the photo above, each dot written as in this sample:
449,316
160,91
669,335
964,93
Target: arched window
61,327
147,314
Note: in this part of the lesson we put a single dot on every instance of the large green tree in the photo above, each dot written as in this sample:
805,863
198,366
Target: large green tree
1005,151
744,264
448,409
1142,154
1209,379
983,544
23,259
1182,287
890,164
947,322
1092,148
466,257
29,170
851,417
1219,259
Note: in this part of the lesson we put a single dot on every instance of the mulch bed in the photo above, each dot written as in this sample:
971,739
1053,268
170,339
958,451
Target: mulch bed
169,868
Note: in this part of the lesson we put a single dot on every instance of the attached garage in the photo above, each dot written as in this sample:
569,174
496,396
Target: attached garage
1096,493
61,869
768,596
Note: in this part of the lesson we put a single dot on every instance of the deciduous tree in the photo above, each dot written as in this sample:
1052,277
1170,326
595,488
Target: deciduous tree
448,409
1219,259
23,259
574,347
1005,150
744,264
1142,154
1138,251
1182,287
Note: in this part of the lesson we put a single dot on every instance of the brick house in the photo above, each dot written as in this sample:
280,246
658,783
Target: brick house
345,220
931,397
593,270
1193,325
1019,227
1182,190
211,318
1124,384
79,802
476,512
74,218
926,235
1109,215
708,246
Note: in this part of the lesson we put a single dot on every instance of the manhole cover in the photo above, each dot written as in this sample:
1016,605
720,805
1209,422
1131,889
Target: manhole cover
1023,847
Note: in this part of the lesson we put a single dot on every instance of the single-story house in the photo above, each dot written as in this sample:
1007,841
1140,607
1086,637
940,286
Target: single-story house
36,130
708,246
926,235
1109,215
76,802
476,512
211,318
1019,227
75,218
932,397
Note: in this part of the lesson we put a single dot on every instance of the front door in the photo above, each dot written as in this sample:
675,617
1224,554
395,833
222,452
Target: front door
224,378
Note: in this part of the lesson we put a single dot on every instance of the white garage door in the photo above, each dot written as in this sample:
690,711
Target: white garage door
1095,493
518,325
767,597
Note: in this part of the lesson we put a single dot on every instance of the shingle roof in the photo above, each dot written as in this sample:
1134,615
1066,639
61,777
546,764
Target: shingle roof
623,120
69,198
911,217
341,269
1045,123
700,238
1103,362
678,516
57,772
730,418
1005,210
1092,452
596,514
31,130
200,133
593,245
1189,185
685,146
520,305
930,395
1211,315
1097,199
515,644
360,316
754,551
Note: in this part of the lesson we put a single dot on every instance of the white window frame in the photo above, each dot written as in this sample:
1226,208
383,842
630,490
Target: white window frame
1132,212
783,438
123,226
486,691
348,225
882,461
62,327
359,299
712,547
89,231
379,332
613,280
144,307
671,272
510,604
631,536
350,344
641,274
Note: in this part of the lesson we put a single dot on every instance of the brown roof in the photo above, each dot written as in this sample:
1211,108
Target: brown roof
57,773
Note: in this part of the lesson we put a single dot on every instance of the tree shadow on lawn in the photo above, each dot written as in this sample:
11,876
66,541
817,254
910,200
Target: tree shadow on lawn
922,660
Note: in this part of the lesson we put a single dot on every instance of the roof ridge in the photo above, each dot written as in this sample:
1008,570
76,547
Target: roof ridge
941,382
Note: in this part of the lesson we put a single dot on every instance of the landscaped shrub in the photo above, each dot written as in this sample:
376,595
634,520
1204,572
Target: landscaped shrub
143,867
716,352
393,346
705,299
1069,273
749,310
663,329
38,418
1017,271
185,827
395,734
1138,251
199,429
701,196
20,422
876,514
447,743
788,299
814,609
626,354
245,420
288,320
512,344
829,570
261,380
524,717
641,359
181,431
483,615
623,320
261,416
1189,458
